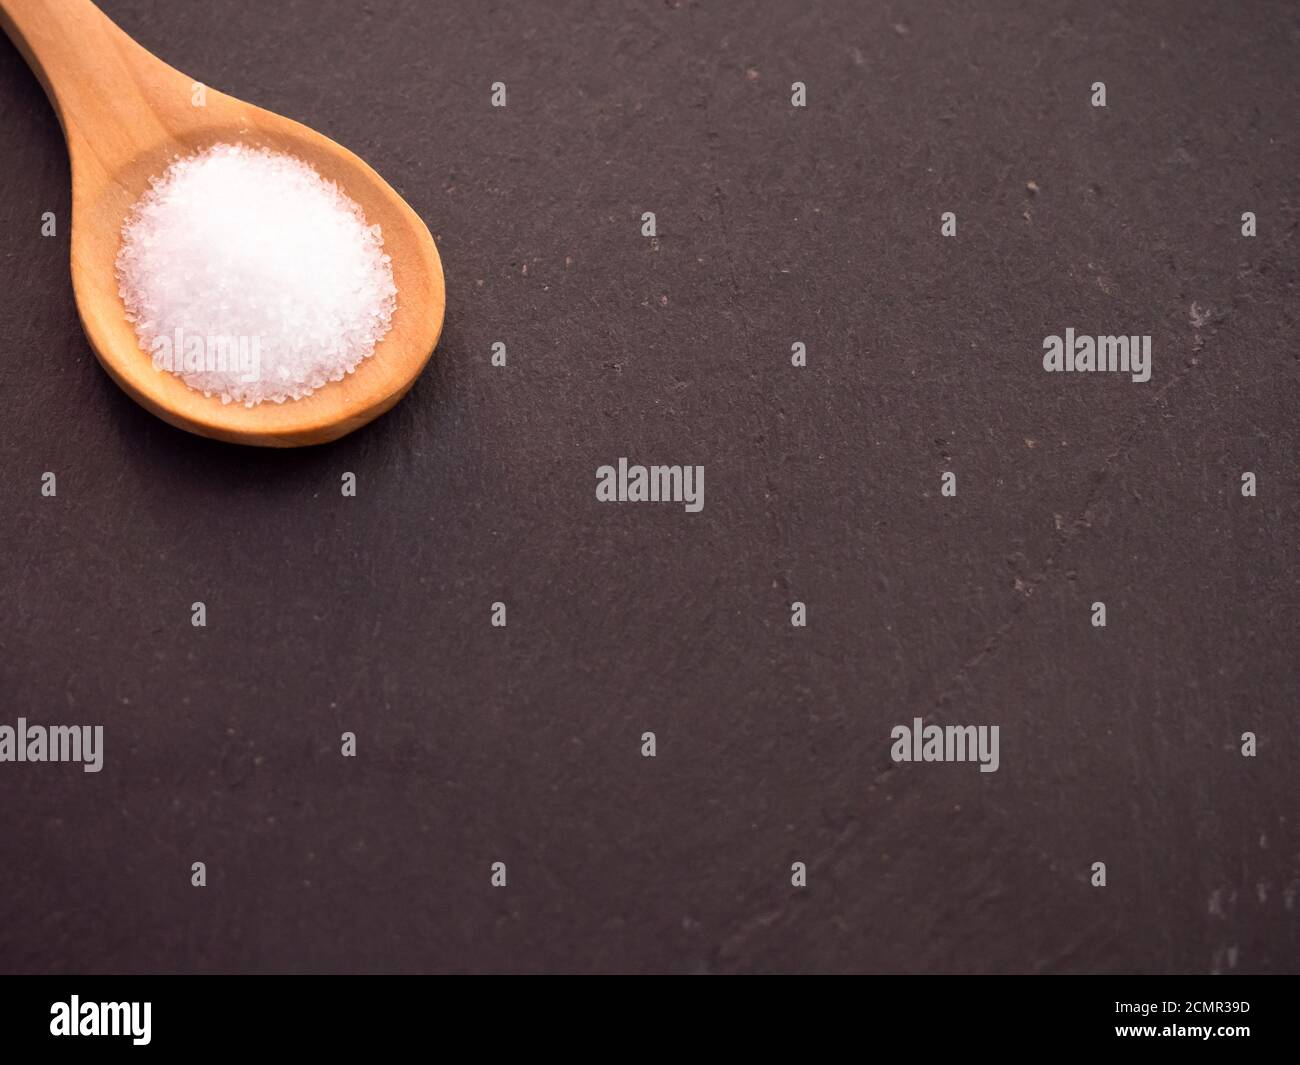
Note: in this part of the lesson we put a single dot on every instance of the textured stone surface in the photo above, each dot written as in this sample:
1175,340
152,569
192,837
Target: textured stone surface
328,614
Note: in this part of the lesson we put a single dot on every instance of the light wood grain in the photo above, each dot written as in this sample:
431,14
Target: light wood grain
126,115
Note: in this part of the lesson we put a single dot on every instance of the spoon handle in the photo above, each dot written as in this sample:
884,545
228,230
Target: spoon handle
100,81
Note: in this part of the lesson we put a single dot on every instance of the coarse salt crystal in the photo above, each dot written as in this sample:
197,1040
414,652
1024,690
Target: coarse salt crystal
252,277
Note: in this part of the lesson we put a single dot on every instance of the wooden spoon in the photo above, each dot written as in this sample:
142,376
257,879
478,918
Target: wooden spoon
126,115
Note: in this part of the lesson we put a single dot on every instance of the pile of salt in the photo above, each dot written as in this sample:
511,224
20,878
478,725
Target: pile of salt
253,277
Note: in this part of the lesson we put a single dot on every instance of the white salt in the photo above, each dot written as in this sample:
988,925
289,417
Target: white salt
250,275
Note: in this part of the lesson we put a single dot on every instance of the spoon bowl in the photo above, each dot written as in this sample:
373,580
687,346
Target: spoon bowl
126,117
